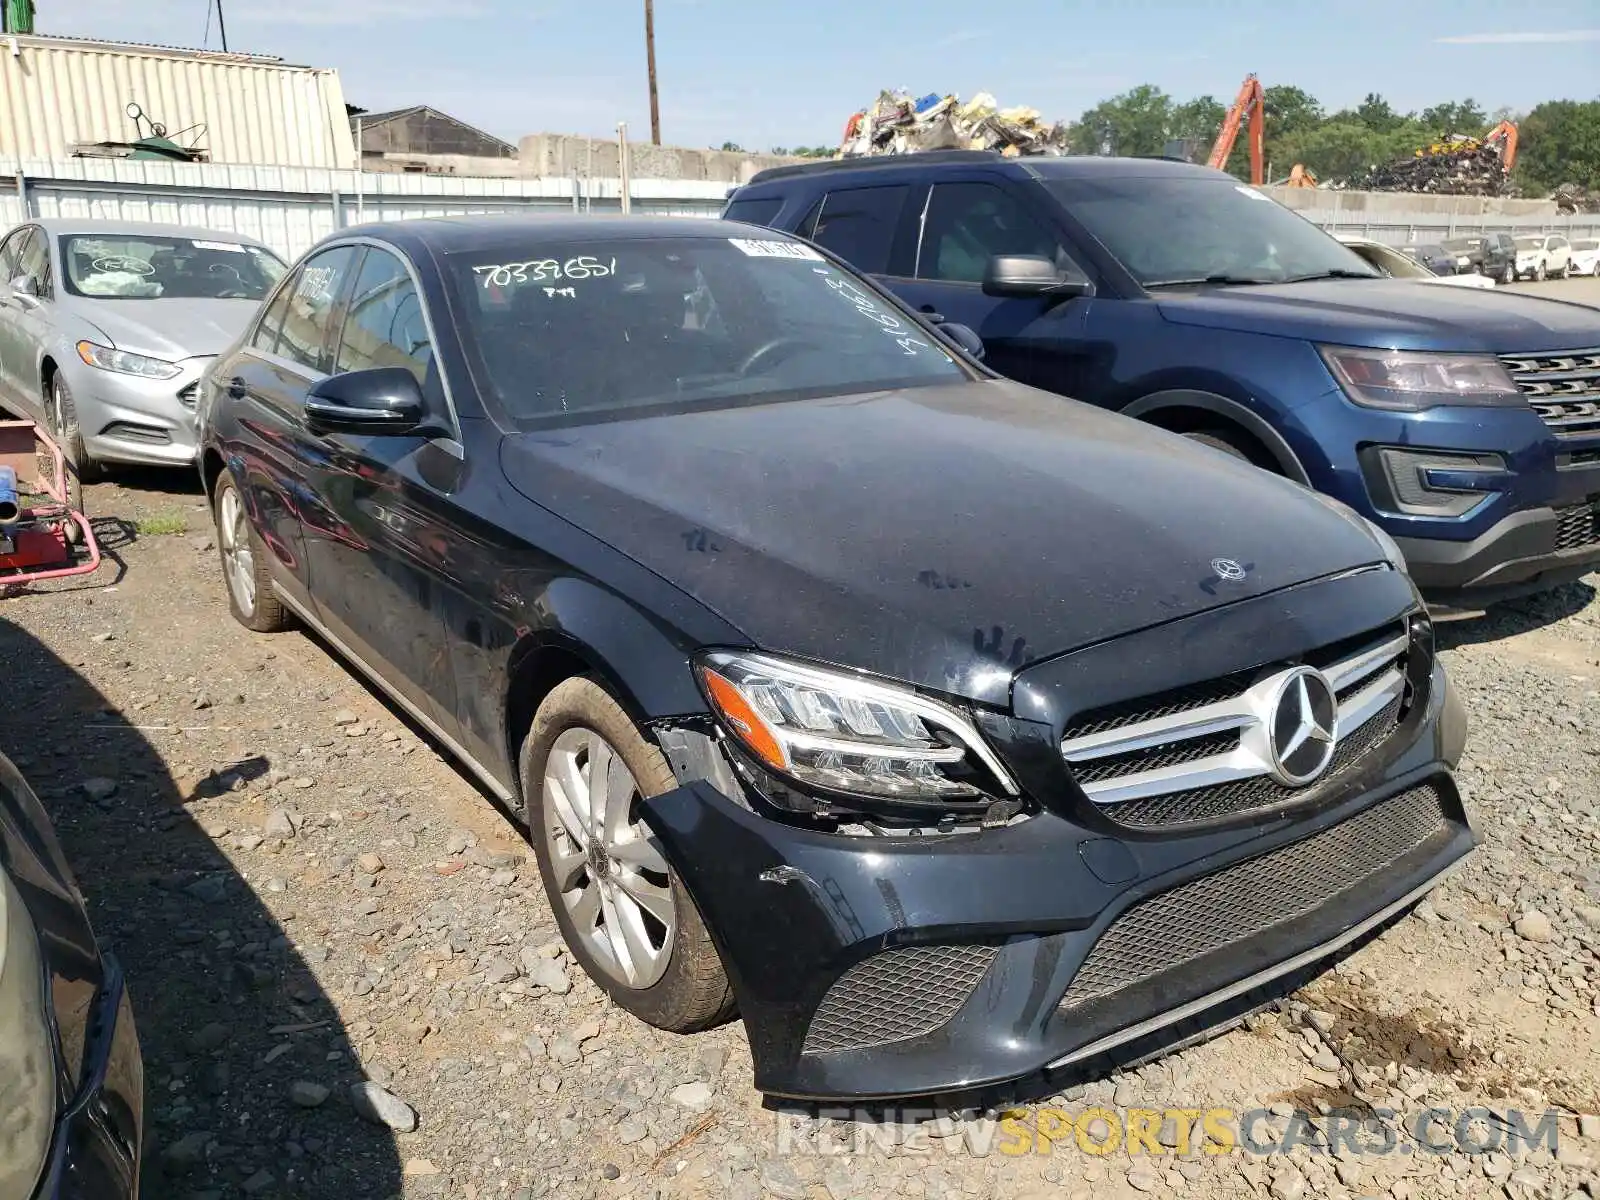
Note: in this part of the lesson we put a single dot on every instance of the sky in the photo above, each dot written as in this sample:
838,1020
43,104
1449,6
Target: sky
788,74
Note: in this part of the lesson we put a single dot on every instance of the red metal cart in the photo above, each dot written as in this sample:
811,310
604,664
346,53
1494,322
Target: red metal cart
43,535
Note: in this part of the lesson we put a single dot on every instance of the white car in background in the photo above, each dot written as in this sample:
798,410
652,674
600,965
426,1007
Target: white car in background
1401,266
1586,256
1541,255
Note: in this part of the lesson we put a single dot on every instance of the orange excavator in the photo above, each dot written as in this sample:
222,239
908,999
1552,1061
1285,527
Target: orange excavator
1504,137
1251,103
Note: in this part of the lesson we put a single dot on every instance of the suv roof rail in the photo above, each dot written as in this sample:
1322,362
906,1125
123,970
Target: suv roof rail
876,160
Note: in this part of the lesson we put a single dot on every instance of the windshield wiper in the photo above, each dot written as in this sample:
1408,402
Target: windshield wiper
1336,273
1221,279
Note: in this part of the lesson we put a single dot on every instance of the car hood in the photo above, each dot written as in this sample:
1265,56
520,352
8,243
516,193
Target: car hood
941,535
171,329
1391,313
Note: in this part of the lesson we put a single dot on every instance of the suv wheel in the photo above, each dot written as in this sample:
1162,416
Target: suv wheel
1539,272
1233,443
244,563
623,911
1509,275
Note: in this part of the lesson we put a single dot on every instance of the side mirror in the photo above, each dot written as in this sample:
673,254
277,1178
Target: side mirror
383,400
963,336
1030,275
25,288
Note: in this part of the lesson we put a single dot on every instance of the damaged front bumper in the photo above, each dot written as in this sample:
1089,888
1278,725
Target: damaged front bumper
870,967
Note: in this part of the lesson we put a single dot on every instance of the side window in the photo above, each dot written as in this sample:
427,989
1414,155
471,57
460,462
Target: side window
808,227
384,326
265,337
967,224
753,212
34,260
859,225
309,317
9,251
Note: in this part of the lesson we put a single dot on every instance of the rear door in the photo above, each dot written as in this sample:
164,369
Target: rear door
378,560
10,313
961,225
264,443
36,322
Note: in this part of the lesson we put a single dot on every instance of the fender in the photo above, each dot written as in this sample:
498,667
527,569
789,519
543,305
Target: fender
1282,453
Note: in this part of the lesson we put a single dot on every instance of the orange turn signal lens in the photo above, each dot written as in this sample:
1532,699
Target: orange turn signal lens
746,723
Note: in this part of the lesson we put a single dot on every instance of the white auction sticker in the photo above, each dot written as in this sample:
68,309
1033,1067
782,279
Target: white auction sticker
757,248
232,247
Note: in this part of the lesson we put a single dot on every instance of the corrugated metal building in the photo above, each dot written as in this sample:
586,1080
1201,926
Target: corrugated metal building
58,92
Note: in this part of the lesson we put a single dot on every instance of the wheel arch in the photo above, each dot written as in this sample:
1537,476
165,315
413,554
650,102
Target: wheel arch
1184,410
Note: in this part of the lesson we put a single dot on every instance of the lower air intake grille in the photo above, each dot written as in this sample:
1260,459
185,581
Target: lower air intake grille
1249,897
896,996
1578,525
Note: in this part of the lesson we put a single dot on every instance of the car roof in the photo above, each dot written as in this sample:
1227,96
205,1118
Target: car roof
448,235
55,226
1071,166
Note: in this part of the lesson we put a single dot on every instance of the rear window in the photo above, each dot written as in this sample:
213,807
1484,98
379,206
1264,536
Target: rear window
146,267
577,331
753,212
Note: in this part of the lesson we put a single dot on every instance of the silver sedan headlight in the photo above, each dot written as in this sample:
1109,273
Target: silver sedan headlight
27,1053
124,362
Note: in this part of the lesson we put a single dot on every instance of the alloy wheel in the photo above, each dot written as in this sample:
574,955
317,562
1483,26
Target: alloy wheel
238,559
612,878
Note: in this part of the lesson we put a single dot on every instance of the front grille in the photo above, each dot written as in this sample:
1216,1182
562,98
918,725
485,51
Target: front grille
1248,898
896,996
1201,753
1564,389
1248,795
1578,525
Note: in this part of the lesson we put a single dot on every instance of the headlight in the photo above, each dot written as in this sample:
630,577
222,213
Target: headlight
847,734
126,363
27,1055
1410,381
1463,261
1390,548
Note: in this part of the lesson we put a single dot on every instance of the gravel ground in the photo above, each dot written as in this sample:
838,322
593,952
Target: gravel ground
348,983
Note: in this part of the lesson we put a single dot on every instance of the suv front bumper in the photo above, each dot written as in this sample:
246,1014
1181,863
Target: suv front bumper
1522,553
868,967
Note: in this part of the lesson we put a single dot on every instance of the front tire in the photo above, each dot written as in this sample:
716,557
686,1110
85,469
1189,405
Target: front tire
623,912
1235,445
1509,275
244,563
63,411
1540,273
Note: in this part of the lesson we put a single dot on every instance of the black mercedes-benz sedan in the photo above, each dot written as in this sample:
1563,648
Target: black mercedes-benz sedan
944,730
71,1077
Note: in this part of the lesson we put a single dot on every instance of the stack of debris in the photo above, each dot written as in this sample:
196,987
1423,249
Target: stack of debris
899,123
1572,199
1452,167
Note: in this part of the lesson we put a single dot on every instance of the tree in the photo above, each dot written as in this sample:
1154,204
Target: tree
1559,142
1456,117
732,147
1290,110
1375,113
1135,122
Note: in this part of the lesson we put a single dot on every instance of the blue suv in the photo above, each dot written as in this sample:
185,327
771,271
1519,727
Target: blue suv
1465,423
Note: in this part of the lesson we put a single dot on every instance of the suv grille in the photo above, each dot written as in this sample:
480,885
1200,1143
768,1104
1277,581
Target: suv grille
896,996
1201,753
1250,897
1578,524
1564,389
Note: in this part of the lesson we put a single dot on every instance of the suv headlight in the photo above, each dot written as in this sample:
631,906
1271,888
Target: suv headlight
1410,381
126,363
847,734
27,1050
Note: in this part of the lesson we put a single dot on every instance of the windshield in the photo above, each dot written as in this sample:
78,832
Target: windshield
1198,230
569,331
1531,242
142,266
1462,244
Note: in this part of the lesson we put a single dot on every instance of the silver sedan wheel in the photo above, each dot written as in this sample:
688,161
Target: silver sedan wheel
238,561
612,878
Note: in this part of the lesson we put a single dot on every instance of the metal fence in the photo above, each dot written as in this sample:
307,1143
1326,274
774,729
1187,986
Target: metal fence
290,208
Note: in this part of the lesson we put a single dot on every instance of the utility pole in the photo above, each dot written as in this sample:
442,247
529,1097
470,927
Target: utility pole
222,28
650,54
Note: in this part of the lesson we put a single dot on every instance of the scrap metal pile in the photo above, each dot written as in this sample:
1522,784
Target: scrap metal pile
1570,198
899,123
1455,167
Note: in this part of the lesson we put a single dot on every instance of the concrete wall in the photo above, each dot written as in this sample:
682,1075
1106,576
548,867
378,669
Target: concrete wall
546,154
1378,206
470,165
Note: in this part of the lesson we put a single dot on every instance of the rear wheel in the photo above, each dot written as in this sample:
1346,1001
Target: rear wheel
244,563
623,911
63,412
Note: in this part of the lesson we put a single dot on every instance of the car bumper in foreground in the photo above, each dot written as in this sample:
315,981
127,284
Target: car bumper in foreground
1525,552
95,1152
126,419
870,967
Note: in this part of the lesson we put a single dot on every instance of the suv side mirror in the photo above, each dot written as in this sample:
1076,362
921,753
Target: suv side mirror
382,400
1030,275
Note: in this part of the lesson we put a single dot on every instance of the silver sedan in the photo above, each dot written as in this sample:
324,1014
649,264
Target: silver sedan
107,326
